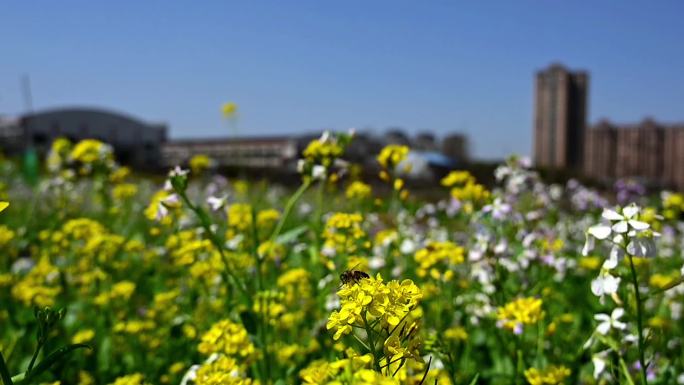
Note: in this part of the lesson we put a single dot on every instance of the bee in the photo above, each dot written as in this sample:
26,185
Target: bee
352,276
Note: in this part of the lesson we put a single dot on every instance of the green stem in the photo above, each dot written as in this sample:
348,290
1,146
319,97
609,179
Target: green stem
519,367
625,371
640,325
33,359
288,208
360,341
213,238
371,343
4,372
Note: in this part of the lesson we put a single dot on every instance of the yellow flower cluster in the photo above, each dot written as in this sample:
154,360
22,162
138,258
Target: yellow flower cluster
465,189
522,311
229,338
159,203
40,286
189,250
6,235
343,233
83,336
240,220
124,191
131,379
673,205
199,163
371,377
222,371
457,178
456,333
269,306
553,375
358,190
662,281
120,291
446,253
372,299
321,372
473,193
3,205
90,151
323,151
58,155
391,155
295,284
240,216
87,155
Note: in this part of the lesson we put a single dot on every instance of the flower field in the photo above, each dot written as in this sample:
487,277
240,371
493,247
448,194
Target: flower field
111,277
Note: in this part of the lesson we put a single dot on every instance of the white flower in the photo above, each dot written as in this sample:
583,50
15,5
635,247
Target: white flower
625,220
216,203
163,206
600,232
599,361
611,321
642,247
325,136
680,379
161,213
178,171
498,208
318,172
614,257
407,246
190,375
605,284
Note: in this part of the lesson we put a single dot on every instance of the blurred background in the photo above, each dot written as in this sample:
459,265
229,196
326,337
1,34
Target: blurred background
585,89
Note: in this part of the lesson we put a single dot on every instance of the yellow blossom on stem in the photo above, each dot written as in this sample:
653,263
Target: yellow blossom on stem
522,311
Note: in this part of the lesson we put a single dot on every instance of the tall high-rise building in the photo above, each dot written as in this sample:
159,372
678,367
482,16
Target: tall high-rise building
560,117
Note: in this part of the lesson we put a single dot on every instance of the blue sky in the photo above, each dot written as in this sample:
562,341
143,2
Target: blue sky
301,66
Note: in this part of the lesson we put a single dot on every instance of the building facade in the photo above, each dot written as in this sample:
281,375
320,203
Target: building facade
259,153
560,117
650,151
134,142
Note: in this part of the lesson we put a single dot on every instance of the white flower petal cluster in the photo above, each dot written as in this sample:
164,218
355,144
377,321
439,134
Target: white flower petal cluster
627,234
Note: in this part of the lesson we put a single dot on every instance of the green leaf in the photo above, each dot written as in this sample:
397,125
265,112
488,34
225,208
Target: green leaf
55,356
474,380
291,235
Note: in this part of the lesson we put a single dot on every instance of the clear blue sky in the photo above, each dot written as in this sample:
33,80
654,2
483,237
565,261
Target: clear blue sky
300,66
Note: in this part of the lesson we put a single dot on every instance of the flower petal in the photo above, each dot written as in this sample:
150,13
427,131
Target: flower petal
620,227
611,215
617,313
599,231
638,225
603,328
630,211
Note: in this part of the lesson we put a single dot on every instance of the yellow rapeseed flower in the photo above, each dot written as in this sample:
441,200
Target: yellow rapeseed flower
83,336
229,338
373,299
358,190
391,155
553,375
131,379
229,109
199,163
457,178
446,253
522,311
